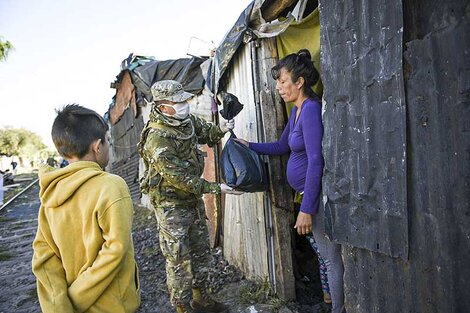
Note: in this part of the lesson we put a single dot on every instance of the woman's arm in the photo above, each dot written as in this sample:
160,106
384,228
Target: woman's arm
312,129
279,147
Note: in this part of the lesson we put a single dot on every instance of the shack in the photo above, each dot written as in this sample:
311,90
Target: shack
396,92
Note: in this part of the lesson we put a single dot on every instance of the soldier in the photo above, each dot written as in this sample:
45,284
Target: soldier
174,166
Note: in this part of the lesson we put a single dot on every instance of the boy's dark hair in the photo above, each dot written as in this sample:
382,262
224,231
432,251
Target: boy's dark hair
299,65
75,128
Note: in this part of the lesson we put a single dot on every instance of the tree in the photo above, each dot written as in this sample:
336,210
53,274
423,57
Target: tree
5,48
20,142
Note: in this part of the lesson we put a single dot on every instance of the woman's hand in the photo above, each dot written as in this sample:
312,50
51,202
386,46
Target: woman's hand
242,141
303,223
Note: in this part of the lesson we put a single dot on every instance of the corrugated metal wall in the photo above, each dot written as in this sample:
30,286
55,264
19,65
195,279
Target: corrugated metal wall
245,242
125,159
437,60
364,120
436,276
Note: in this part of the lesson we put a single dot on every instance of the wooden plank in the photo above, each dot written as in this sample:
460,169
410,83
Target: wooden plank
272,10
273,116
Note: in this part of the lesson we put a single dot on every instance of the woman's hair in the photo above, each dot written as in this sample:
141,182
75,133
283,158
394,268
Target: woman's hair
75,128
298,65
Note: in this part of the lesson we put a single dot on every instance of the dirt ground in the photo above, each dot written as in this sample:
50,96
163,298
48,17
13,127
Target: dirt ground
18,222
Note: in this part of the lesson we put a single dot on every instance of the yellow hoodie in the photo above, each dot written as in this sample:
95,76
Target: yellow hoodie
83,251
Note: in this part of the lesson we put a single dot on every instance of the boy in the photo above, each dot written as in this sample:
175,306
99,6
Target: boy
83,251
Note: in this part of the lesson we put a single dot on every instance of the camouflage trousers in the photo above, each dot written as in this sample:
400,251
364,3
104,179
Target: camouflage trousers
184,241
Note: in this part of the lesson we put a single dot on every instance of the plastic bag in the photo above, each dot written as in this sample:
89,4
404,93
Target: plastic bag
231,105
242,168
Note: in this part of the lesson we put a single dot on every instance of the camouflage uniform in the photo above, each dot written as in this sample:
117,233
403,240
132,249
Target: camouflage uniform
173,181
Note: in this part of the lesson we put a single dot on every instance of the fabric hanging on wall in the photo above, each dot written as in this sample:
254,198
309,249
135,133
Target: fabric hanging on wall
304,34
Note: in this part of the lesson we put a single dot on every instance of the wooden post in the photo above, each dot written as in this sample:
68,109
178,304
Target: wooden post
274,8
274,119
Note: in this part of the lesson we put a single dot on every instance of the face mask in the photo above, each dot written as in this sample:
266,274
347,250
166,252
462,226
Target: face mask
181,108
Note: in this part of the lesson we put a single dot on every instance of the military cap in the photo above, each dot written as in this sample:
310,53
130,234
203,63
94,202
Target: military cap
169,90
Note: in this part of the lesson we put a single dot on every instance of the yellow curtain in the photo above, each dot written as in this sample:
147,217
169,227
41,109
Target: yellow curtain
303,35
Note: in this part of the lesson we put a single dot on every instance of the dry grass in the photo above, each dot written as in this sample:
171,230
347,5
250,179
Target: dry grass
260,291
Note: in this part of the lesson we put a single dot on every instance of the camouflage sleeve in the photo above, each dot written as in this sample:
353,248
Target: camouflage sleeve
163,156
206,132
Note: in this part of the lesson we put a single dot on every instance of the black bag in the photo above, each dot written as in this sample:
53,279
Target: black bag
242,168
231,105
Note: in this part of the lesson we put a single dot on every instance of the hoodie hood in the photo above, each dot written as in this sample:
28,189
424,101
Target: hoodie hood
58,185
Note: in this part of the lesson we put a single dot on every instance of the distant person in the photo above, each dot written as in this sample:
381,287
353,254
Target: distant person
8,177
174,166
83,251
295,74
14,164
51,162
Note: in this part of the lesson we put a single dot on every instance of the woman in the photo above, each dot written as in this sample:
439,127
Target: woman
295,75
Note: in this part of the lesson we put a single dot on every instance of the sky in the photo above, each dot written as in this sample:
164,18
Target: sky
69,51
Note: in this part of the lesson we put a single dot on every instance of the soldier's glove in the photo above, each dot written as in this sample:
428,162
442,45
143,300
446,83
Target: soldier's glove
227,189
227,125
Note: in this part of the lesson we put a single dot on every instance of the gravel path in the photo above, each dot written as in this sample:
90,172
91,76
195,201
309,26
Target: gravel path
18,223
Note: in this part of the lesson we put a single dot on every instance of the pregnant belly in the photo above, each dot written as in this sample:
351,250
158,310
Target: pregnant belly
296,173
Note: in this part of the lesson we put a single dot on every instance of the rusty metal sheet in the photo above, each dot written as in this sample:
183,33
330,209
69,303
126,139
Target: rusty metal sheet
125,97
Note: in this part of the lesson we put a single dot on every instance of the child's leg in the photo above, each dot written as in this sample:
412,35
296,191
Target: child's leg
331,254
323,271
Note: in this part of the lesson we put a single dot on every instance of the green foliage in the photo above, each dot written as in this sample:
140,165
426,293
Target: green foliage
20,142
5,48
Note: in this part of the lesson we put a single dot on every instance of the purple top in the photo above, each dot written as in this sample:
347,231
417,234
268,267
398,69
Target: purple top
303,140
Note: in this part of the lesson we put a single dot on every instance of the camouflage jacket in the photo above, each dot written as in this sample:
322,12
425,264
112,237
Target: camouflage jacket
173,162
